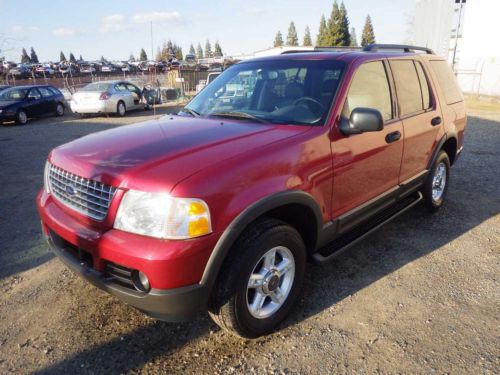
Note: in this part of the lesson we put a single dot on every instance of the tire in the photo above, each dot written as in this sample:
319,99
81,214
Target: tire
234,304
21,117
121,109
437,182
60,110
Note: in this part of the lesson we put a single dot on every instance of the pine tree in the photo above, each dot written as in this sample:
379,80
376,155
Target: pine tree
103,60
131,57
368,36
334,34
72,57
208,49
191,49
25,59
80,58
292,39
62,57
33,56
307,37
354,38
170,50
344,26
143,56
217,49
178,53
321,39
199,51
158,56
278,40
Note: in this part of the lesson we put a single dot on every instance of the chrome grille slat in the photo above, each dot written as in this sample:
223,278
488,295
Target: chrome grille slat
92,198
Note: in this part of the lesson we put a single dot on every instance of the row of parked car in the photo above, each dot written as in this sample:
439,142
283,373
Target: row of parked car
20,103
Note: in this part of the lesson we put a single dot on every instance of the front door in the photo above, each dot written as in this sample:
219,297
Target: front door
366,166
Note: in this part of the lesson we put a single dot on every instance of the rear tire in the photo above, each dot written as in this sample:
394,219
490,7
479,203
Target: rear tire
121,109
21,117
60,110
436,184
260,280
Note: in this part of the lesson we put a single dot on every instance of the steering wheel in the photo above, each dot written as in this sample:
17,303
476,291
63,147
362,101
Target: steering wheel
307,99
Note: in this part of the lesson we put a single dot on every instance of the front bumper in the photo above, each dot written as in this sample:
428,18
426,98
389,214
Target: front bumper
174,268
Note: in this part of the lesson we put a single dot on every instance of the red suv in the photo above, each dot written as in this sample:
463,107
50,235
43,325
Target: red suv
278,161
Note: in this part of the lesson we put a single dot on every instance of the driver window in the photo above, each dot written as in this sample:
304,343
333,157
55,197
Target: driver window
369,89
34,94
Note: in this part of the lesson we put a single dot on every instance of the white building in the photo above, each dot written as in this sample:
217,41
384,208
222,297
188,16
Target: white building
464,32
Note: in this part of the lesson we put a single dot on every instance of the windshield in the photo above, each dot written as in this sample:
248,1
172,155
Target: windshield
287,92
13,94
98,86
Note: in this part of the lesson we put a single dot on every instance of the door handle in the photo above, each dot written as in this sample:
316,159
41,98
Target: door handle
436,121
393,137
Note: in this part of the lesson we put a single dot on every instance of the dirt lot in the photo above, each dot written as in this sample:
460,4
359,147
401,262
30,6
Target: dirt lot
421,295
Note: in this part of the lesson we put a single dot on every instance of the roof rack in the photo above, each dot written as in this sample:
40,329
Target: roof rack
322,49
404,47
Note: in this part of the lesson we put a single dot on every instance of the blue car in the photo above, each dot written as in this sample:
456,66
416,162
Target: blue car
23,102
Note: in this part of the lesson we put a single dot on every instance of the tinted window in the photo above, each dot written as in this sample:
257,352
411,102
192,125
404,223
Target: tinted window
14,94
98,86
54,91
424,85
369,89
45,92
407,86
120,87
34,94
447,81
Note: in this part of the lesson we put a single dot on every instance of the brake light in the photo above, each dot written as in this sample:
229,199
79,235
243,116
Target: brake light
104,96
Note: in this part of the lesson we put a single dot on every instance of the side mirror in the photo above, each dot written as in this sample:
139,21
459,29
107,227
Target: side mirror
31,98
362,120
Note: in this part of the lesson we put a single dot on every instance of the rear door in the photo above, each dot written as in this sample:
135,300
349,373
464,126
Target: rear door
366,166
135,92
35,102
49,100
420,114
125,95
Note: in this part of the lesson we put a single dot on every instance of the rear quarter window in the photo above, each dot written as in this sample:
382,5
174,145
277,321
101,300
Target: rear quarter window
447,81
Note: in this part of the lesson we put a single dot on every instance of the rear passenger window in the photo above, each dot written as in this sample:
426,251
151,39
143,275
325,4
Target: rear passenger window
407,87
447,81
426,97
45,92
369,89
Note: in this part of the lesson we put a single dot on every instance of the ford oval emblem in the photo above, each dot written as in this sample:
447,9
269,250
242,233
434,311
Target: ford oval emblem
71,190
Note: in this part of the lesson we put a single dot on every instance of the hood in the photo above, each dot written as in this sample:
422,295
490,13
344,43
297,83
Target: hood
156,155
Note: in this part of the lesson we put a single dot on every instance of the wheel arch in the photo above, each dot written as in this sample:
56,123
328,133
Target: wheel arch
449,144
284,206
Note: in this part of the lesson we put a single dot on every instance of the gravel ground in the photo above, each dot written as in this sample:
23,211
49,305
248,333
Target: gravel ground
419,296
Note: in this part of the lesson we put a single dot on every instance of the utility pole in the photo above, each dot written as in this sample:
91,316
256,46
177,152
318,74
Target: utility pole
462,2
152,50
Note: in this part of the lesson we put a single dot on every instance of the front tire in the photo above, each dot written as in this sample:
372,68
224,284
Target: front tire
260,280
121,109
436,184
21,117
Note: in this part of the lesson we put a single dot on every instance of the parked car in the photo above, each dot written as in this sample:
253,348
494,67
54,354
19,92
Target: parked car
108,97
44,70
203,82
107,69
219,208
87,69
23,102
4,87
21,71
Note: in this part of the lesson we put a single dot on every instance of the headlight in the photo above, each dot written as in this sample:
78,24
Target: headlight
162,216
46,182
1,110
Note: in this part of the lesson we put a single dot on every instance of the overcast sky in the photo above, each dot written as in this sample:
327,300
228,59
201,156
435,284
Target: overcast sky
115,28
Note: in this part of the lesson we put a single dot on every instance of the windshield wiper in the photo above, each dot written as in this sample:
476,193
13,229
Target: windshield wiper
190,111
239,115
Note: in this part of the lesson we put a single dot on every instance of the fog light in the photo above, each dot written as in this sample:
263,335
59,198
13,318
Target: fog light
140,281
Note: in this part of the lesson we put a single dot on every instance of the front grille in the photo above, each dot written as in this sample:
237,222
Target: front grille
120,275
86,196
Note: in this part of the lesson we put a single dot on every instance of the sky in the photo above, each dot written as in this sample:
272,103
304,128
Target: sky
115,29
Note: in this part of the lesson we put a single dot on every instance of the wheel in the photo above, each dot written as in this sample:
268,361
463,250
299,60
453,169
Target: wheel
436,184
21,117
59,110
120,109
260,280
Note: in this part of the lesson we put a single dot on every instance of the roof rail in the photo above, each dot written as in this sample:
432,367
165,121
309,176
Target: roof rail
404,47
322,49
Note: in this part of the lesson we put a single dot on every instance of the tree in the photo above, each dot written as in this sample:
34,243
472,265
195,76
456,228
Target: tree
208,49
25,59
344,26
131,57
321,39
72,57
62,57
199,51
80,58
278,40
292,39
33,56
170,53
103,60
334,34
192,51
143,56
368,36
217,49
354,38
178,53
307,37
158,56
